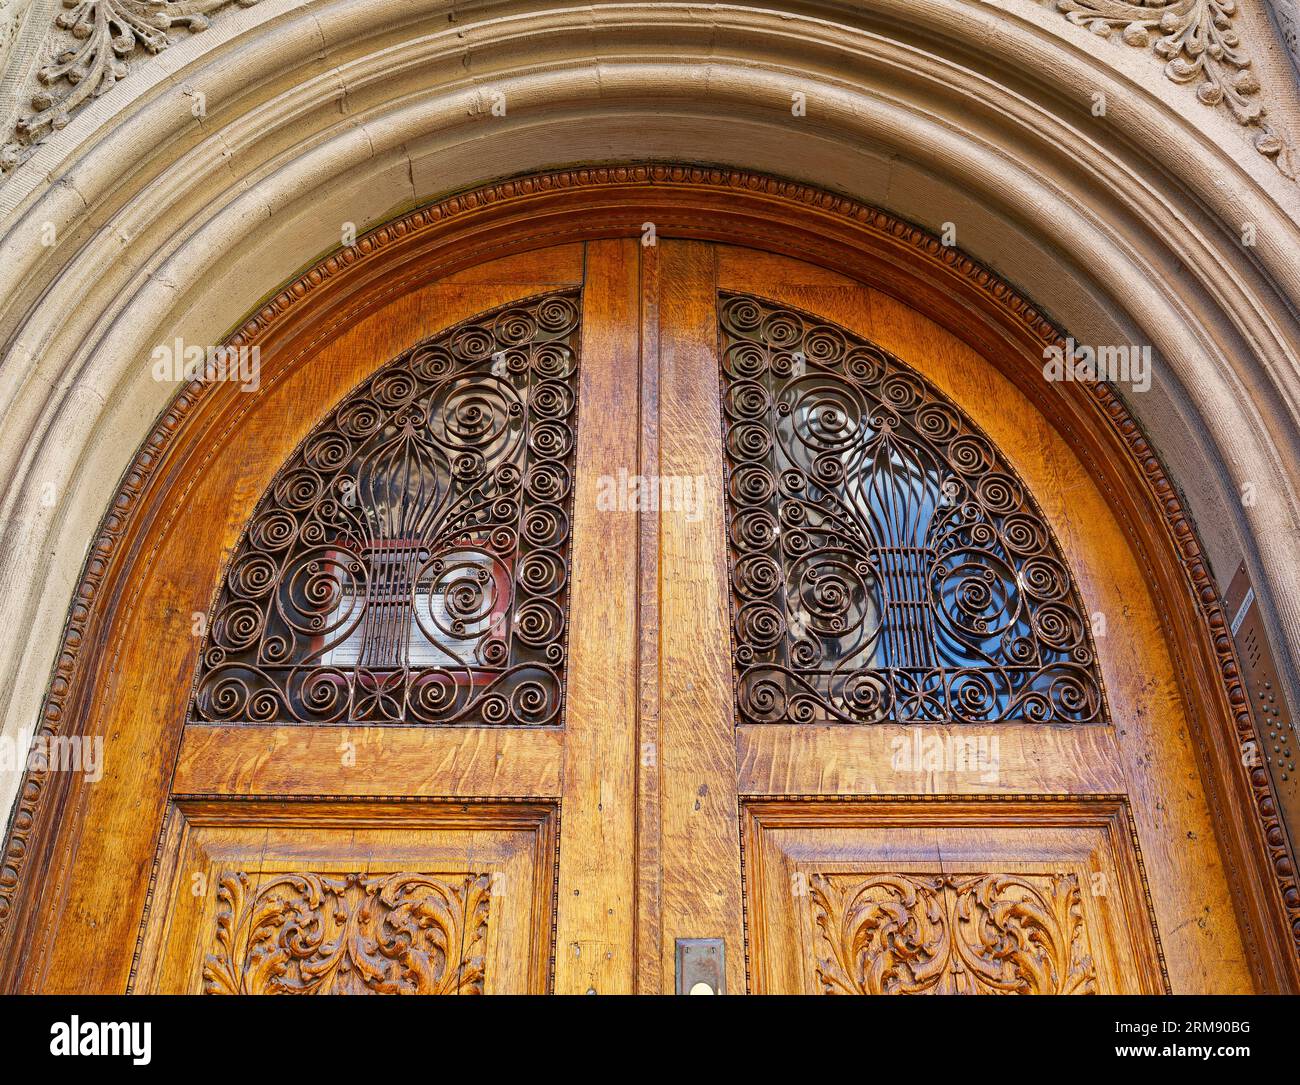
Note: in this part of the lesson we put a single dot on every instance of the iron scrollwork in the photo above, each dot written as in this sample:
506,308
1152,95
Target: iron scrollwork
409,563
886,563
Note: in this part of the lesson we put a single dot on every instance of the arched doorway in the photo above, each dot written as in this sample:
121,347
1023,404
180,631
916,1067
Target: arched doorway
611,703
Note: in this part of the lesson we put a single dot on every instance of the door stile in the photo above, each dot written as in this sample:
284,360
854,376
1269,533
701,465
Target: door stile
594,940
700,817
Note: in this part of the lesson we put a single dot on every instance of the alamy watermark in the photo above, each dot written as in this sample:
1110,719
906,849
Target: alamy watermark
53,753
130,1039
978,755
1121,363
624,492
180,361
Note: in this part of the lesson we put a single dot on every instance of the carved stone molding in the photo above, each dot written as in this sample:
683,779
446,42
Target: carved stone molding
1286,14
13,14
91,47
1200,46
90,604
94,43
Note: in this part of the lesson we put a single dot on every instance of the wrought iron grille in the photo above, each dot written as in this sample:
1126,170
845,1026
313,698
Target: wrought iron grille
886,563
409,563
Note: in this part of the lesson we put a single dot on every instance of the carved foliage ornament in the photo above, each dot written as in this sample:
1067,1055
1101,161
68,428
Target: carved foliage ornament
310,934
886,563
1195,37
1199,45
950,934
409,563
100,37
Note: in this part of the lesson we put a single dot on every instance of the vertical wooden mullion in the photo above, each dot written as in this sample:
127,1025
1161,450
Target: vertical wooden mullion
594,940
700,844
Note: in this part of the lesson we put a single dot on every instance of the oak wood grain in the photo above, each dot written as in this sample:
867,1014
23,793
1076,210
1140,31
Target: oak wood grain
425,761
650,873
934,759
596,919
96,879
1144,753
700,831
1173,736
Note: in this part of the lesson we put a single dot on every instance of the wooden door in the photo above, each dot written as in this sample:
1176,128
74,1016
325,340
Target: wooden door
407,758
919,728
611,596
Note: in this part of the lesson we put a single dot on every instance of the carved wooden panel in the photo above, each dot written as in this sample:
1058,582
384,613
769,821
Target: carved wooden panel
886,561
931,933
351,898
349,933
1027,896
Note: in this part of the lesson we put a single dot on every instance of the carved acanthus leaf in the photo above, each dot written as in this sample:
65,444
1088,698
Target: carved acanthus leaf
1199,45
314,933
1195,37
950,934
100,36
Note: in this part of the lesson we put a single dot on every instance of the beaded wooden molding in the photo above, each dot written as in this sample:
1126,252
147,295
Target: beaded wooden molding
843,234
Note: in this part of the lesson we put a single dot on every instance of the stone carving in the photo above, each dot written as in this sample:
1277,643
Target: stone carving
1286,15
1199,45
950,934
100,37
309,934
93,43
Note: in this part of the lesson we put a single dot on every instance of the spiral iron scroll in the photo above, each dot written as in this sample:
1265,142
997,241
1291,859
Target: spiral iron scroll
887,565
409,563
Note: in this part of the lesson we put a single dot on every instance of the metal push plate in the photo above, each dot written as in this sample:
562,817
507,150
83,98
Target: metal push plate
701,966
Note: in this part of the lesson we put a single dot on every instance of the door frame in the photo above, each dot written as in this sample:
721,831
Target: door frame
732,207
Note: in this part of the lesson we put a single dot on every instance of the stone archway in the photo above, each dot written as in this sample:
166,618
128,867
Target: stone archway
165,224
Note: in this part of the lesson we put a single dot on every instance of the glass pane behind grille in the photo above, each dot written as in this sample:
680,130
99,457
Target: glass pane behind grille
409,564
886,563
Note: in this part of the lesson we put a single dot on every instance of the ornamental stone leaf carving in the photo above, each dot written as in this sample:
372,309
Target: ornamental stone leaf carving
314,933
950,934
93,43
98,39
1200,46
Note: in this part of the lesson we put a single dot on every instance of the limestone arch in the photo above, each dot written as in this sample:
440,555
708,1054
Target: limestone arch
931,111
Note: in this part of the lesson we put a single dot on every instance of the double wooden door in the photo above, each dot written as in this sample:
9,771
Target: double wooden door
619,616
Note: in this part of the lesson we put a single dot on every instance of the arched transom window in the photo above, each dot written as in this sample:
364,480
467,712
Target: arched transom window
409,563
886,563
